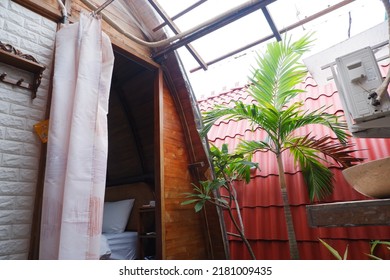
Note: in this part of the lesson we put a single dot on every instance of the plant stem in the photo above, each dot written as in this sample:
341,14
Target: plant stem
234,196
240,229
246,242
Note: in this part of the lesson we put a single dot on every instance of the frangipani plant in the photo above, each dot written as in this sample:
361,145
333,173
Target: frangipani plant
228,168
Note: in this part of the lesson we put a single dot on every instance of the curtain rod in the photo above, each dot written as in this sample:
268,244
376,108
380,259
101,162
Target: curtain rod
102,7
64,12
95,12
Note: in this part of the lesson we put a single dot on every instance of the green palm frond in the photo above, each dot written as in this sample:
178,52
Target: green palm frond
258,116
288,119
323,148
318,178
249,147
294,118
312,155
331,121
210,117
279,72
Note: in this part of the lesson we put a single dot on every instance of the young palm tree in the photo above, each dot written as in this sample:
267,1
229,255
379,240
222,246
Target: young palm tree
273,88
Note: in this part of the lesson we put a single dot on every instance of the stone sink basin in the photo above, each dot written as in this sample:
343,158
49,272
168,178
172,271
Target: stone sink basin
371,178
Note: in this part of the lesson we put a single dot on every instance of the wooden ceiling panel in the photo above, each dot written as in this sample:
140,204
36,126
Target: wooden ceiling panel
130,122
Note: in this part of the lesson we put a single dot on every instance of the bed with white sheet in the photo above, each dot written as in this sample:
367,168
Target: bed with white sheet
120,219
116,242
119,246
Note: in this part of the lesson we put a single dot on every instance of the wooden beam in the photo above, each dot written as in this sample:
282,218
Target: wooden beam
46,8
349,214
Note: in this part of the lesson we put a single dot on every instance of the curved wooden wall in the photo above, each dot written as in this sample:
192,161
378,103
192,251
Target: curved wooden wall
183,234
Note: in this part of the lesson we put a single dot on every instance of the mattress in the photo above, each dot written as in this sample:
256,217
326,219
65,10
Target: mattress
123,246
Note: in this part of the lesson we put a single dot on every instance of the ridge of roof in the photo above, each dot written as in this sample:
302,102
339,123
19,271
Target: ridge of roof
307,82
242,135
225,92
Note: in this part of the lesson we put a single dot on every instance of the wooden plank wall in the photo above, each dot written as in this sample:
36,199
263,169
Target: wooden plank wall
184,234
46,8
217,243
118,39
131,128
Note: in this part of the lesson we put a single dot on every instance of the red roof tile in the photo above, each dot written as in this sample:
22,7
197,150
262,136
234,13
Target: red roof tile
261,202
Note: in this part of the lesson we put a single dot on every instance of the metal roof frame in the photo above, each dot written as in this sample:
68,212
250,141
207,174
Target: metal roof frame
221,22
213,27
168,21
281,31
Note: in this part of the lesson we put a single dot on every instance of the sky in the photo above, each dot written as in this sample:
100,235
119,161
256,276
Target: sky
330,29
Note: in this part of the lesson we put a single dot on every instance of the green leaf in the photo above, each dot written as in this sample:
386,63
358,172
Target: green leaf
345,253
318,178
199,205
332,250
189,201
228,166
373,257
374,244
313,157
224,149
247,147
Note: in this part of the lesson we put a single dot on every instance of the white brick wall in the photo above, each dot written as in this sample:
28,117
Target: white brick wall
19,145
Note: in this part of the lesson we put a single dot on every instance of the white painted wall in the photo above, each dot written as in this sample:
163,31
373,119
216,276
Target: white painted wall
19,145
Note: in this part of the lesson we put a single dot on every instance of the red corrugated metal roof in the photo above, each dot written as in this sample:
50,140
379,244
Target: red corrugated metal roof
261,202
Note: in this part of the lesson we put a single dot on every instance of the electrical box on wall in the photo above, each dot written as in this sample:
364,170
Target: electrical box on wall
359,76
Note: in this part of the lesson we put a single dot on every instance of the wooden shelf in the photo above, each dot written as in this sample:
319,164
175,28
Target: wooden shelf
147,236
13,57
146,232
348,214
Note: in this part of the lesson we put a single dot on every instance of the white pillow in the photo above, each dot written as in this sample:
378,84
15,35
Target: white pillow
116,214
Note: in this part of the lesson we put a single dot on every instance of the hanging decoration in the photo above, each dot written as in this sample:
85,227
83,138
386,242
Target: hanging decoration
42,130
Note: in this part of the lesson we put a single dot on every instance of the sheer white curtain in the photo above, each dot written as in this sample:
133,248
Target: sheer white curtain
72,209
